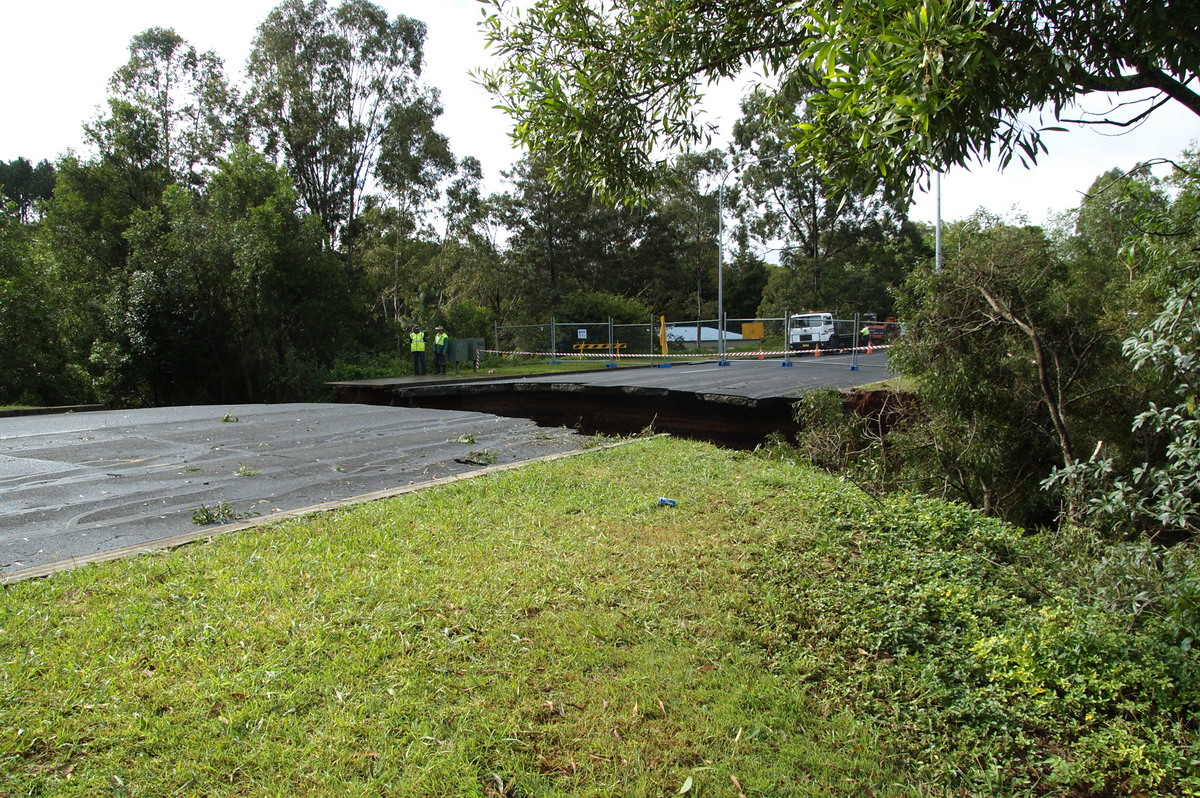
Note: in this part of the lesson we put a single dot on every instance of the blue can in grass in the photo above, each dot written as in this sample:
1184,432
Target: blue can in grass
665,502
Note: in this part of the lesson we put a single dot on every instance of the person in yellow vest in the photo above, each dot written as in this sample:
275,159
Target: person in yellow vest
441,347
417,344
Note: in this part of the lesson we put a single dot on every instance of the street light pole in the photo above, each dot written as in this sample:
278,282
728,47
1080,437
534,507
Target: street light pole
721,361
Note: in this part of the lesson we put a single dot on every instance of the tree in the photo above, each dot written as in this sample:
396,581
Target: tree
178,101
26,185
599,89
231,295
414,158
1161,493
686,197
397,266
1014,363
166,124
746,278
333,89
33,369
554,246
562,241
84,238
843,249
471,246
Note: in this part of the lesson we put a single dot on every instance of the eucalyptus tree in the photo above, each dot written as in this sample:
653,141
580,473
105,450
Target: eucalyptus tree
333,89
687,195
171,103
563,240
842,246
472,244
414,160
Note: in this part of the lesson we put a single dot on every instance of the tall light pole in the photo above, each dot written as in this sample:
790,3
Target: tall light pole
721,253
721,361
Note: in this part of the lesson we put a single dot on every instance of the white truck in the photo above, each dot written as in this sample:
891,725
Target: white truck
819,331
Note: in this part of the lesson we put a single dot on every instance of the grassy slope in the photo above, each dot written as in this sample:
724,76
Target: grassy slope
551,631
536,633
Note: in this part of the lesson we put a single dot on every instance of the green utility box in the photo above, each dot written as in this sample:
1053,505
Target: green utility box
464,350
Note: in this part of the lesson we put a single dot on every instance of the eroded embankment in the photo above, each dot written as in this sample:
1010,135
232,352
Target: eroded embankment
724,420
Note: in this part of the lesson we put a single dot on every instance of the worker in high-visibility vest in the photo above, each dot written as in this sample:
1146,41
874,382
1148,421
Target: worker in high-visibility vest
441,346
417,345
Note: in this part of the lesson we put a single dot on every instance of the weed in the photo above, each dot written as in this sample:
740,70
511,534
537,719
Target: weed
598,440
229,418
222,513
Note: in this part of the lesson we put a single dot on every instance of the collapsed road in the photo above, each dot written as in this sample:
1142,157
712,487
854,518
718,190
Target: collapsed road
737,405
89,486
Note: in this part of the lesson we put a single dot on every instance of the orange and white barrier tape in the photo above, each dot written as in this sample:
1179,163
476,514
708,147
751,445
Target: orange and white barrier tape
755,355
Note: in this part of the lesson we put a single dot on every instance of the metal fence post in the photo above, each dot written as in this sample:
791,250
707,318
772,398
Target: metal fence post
854,356
787,339
611,364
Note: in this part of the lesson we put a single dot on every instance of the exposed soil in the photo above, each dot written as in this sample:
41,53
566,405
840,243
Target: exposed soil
729,421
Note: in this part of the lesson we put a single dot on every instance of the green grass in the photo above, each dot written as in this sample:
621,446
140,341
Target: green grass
542,632
901,384
552,631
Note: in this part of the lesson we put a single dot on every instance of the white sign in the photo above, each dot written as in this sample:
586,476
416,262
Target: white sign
582,334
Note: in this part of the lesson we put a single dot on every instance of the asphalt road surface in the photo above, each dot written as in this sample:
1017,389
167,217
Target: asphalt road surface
748,377
77,485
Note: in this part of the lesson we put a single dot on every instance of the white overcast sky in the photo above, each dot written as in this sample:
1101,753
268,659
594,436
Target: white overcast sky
57,57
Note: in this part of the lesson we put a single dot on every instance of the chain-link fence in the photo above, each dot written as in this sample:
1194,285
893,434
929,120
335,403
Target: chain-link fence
796,333
555,340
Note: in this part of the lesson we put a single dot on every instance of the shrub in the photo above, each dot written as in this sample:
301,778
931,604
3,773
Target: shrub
994,666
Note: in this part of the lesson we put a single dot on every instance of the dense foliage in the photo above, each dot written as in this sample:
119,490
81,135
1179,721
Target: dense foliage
997,663
25,185
1160,493
1015,365
601,89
